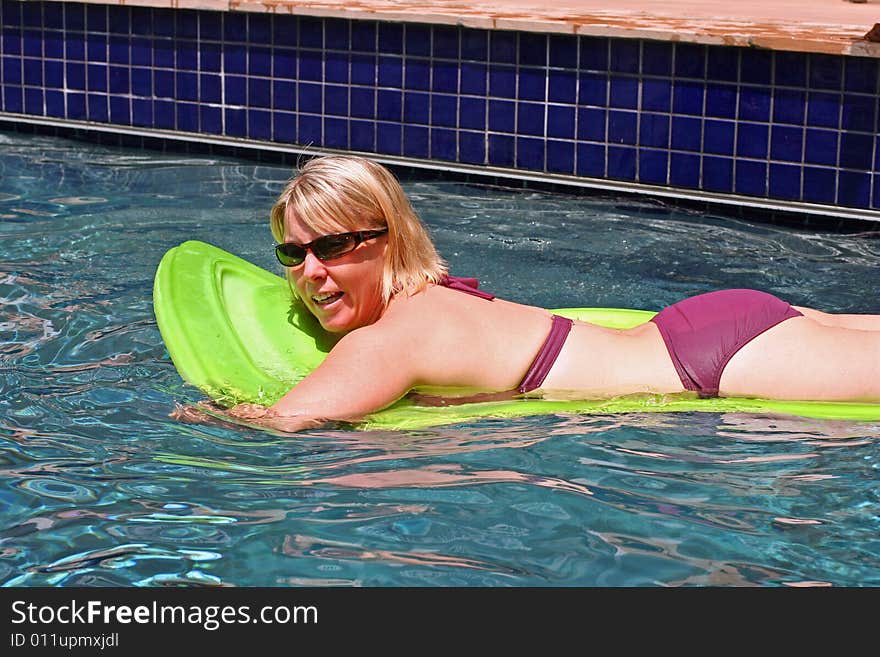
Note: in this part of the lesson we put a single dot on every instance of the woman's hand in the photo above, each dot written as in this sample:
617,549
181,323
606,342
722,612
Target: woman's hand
243,415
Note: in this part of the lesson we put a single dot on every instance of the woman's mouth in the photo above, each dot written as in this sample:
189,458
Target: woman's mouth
326,299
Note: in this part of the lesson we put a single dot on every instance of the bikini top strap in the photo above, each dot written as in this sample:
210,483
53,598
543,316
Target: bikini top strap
466,285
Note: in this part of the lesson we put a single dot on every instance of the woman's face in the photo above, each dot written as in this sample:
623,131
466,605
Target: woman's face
344,293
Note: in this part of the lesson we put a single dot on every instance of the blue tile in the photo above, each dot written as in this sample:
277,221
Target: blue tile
860,74
33,101
530,119
594,54
791,69
501,150
591,124
163,22
96,18
259,27
335,100
789,106
474,45
621,163
472,113
856,150
163,54
593,89
653,166
562,87
786,143
211,119
532,84
141,20
820,147
76,106
859,113
560,156
363,102
120,80
188,117
721,100
141,52
32,43
819,185
560,121
622,127
823,110
259,125
785,181
141,112
826,72
657,58
363,136
533,49
445,44
502,116
417,39
755,66
53,16
12,73
96,77
391,72
310,65
445,77
259,92
656,95
502,81
391,38
259,60
311,35
474,78
283,127
309,130
591,160
235,88
751,178
623,92
389,137
415,141
717,174
754,104
336,67
752,140
97,107
31,14
687,97
53,46
210,25
686,133
283,63
854,189
33,72
336,35
187,25
187,86
210,89
654,130
74,16
74,48
444,110
416,108
722,63
876,202
502,48
284,31
309,97
119,50
163,114
363,69
444,144
718,137
55,103
283,95
624,56
363,36
563,52
389,105
530,153
690,60
335,132
417,74
141,81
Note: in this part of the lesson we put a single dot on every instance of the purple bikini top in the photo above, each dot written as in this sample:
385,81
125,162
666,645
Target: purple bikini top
549,352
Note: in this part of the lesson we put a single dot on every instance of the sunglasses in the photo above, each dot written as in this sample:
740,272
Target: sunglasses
326,247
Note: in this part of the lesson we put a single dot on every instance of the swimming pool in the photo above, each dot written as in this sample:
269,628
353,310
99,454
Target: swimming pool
101,487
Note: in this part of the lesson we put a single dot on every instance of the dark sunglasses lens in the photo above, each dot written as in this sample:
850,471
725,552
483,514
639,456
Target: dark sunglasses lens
334,246
290,255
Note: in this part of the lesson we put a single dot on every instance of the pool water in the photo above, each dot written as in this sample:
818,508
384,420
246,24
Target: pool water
101,487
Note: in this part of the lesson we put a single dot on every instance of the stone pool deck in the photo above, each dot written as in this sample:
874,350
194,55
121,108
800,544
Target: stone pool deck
823,26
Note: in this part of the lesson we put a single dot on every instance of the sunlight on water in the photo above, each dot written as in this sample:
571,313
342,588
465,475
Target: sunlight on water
101,487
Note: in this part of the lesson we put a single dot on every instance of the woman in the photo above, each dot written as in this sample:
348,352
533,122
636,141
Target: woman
361,262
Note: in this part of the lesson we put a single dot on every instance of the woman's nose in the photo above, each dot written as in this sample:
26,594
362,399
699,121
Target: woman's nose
312,267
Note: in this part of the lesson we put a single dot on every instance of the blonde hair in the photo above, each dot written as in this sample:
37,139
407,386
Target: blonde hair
342,193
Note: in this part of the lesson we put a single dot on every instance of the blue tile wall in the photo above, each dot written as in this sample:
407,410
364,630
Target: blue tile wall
772,125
